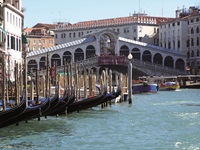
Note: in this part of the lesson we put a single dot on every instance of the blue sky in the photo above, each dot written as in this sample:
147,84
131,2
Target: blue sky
50,11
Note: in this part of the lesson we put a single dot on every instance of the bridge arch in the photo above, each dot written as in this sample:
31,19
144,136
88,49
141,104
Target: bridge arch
158,59
169,61
124,50
32,64
146,56
107,43
90,51
42,62
67,55
136,53
55,58
180,64
78,55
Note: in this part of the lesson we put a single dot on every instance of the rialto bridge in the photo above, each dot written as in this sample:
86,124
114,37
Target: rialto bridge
106,49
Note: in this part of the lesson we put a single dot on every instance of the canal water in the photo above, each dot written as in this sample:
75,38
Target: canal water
162,121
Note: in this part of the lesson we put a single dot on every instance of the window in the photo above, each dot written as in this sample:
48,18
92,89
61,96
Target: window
178,23
16,22
10,18
154,30
192,42
197,30
178,43
192,54
197,19
192,21
197,41
192,31
56,36
197,52
74,34
7,17
70,35
13,20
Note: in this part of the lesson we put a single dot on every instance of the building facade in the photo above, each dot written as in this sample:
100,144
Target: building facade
193,43
138,27
40,36
12,28
182,34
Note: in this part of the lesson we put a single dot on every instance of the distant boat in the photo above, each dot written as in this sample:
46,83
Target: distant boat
189,81
169,86
140,86
165,83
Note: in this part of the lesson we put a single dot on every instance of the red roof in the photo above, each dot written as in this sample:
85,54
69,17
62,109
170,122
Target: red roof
115,21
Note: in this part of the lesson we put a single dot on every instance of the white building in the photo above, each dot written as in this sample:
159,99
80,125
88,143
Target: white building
13,25
139,27
183,34
193,42
173,35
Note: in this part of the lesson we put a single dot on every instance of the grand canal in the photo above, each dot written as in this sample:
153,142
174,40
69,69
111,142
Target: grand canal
166,120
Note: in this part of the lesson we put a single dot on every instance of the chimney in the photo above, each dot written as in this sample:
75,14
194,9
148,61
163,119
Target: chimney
177,13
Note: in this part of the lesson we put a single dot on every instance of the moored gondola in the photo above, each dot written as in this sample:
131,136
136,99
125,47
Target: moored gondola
9,113
111,96
62,109
63,101
53,104
88,102
30,112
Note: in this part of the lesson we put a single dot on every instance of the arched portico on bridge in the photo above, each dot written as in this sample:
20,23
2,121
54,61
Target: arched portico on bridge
108,43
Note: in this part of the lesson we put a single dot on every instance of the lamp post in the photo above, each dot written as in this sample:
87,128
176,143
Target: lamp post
130,78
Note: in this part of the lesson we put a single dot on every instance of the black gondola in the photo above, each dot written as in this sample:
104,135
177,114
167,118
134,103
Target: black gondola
88,102
53,104
13,112
30,112
62,109
111,96
61,105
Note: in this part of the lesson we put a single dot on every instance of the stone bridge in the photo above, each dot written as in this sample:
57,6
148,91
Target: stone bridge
107,49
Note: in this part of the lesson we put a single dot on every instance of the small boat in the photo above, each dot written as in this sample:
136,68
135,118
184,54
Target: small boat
189,81
87,102
111,96
62,106
169,86
54,101
144,87
12,112
30,112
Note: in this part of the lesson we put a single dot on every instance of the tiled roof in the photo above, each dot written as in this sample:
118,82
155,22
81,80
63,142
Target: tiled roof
113,21
41,25
61,46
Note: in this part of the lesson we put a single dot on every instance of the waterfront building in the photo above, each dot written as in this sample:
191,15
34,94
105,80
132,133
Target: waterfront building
12,33
193,42
182,34
138,27
40,36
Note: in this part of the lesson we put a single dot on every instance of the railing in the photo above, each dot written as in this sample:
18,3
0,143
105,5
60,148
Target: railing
122,60
156,67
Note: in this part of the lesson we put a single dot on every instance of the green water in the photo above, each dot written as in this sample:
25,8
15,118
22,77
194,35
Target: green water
162,121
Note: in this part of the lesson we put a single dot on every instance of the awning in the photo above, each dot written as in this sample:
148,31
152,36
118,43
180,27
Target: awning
24,39
4,31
